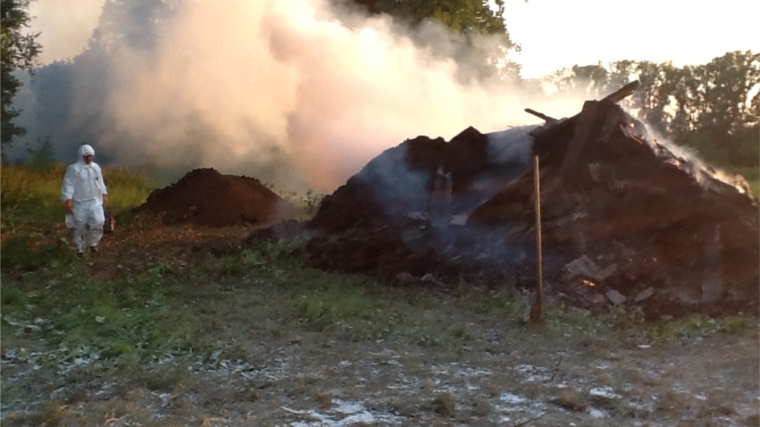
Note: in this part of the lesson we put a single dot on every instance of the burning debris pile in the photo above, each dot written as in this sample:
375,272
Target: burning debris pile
403,215
207,198
625,220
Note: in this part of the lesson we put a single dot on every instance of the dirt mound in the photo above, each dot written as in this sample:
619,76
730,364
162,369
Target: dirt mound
626,221
206,197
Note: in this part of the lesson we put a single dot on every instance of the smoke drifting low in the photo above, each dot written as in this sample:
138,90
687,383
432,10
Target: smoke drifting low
296,93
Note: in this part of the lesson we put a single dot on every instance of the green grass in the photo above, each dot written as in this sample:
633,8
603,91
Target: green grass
31,196
127,188
695,326
505,306
241,303
326,299
210,309
114,317
31,211
31,252
158,309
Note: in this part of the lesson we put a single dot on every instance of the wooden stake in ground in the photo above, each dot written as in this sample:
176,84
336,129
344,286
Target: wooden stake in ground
536,311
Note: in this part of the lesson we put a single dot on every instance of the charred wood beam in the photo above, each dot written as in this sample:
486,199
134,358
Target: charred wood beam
552,124
622,93
550,128
557,126
542,116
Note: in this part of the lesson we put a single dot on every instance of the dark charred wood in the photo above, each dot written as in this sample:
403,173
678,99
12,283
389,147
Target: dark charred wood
550,128
542,116
622,93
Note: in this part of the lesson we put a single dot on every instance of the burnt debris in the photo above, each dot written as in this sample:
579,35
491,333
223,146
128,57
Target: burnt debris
626,220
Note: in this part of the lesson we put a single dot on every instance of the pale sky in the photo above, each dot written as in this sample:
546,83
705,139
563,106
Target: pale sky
553,33
562,33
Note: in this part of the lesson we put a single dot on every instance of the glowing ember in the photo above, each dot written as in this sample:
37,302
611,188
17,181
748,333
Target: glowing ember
677,163
589,283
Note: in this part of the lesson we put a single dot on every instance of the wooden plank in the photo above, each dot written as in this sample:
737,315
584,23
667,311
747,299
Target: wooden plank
536,311
542,116
622,93
550,127
581,133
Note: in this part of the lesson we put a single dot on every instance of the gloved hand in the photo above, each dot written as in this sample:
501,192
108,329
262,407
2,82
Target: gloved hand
68,205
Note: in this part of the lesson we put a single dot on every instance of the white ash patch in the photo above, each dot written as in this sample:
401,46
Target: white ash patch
343,413
64,359
459,370
513,407
533,373
604,392
404,383
277,371
227,367
512,398
682,389
385,352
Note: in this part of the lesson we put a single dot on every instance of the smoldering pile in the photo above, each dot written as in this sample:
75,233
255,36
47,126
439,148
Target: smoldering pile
625,220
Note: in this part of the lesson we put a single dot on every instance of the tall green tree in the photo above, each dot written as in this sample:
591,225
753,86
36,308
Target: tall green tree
727,82
714,107
19,51
462,16
466,19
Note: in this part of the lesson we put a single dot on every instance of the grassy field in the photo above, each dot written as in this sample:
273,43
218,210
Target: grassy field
187,326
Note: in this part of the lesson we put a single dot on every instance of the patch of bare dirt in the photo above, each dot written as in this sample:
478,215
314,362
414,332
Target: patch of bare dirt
131,250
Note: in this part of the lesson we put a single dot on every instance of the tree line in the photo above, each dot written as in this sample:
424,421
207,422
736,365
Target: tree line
713,107
18,49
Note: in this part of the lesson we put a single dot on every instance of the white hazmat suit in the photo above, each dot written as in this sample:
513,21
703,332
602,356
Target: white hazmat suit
84,186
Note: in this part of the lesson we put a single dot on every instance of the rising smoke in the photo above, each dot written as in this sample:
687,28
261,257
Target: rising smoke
298,93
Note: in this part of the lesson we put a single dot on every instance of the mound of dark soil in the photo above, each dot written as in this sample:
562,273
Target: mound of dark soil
206,197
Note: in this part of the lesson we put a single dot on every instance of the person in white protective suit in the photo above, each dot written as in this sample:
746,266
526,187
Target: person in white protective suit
84,194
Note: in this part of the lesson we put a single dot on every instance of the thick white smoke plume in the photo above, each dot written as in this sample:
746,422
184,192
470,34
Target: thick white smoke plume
290,92
64,26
